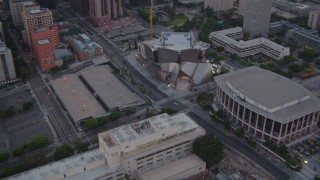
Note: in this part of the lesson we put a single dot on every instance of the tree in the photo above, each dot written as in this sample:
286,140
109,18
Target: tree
36,159
251,142
63,152
80,146
12,170
205,99
226,123
239,133
115,115
209,149
91,123
39,142
27,105
4,157
168,111
309,53
17,151
220,49
295,68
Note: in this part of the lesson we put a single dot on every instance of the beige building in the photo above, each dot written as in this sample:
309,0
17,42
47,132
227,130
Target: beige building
152,143
314,20
36,19
17,8
257,16
156,148
111,9
219,5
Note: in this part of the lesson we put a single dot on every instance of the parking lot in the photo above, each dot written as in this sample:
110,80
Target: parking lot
307,147
22,127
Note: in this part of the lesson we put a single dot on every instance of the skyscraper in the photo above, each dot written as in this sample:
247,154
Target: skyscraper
314,20
219,5
7,71
81,6
36,19
2,36
50,4
257,17
17,8
106,8
242,7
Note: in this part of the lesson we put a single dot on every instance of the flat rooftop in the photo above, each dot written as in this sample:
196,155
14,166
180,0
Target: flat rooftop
136,135
73,167
110,89
168,171
76,98
273,95
177,41
43,41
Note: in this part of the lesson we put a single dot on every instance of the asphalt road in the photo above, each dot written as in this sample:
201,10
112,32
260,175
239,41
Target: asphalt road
245,150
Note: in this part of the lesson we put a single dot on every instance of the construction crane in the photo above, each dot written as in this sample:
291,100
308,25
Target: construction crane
151,8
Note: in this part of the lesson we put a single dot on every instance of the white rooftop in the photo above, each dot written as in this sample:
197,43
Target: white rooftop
110,89
73,167
43,41
273,95
149,130
177,41
168,171
76,98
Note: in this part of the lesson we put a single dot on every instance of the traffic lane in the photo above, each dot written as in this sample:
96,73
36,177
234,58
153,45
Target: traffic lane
245,150
174,104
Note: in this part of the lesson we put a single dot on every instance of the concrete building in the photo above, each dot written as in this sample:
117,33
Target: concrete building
151,143
257,17
267,105
104,10
308,38
44,53
156,148
314,20
81,6
50,33
219,5
84,47
176,56
17,8
50,4
2,33
229,40
7,71
36,19
298,9
242,7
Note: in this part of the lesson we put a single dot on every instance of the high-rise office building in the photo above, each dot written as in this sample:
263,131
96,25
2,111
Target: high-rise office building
7,71
17,8
314,20
257,17
36,19
111,9
81,6
242,7
44,52
50,4
219,5
2,36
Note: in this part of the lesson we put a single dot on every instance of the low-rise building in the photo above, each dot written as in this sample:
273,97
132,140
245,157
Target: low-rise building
219,5
267,106
66,29
152,149
298,9
307,38
84,47
228,39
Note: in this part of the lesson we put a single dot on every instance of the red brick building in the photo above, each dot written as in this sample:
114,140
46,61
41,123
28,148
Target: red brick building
44,52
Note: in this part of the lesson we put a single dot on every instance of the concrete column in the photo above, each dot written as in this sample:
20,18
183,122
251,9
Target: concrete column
238,113
256,126
264,126
285,132
280,132
293,122
244,112
271,133
232,107
249,121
